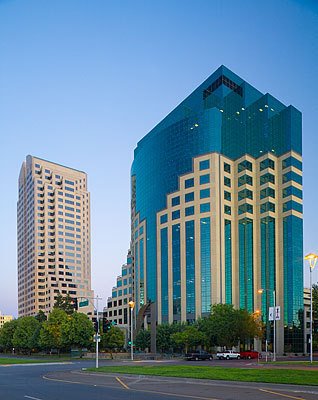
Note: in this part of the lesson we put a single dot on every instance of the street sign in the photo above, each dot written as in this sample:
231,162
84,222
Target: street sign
83,303
97,338
277,313
271,312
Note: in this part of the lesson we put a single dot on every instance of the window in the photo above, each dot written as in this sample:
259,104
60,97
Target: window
292,191
227,167
204,207
267,178
189,211
204,193
227,195
204,179
176,214
175,201
244,165
292,162
268,163
227,210
267,192
205,164
267,207
293,205
227,182
189,183
245,194
245,179
292,176
189,197
245,208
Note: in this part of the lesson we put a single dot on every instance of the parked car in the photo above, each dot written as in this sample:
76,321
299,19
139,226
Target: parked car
228,354
198,355
250,354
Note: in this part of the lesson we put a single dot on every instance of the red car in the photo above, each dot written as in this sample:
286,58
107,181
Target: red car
249,354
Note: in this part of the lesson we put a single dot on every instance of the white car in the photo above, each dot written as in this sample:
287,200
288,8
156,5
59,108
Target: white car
228,354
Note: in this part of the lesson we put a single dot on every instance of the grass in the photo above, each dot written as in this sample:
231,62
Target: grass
11,361
304,363
297,377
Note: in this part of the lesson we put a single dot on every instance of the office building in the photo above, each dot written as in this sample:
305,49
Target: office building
54,250
216,207
4,319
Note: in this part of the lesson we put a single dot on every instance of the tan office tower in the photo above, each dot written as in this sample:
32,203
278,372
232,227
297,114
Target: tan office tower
54,251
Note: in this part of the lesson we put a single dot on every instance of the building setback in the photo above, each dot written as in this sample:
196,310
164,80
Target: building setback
54,250
217,207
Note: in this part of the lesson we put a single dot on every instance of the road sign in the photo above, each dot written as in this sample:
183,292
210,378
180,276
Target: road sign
271,312
97,338
83,303
277,313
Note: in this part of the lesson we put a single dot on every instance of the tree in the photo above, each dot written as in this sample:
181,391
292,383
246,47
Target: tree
164,339
223,325
78,331
142,340
41,317
114,339
190,337
51,334
65,303
247,326
6,334
26,334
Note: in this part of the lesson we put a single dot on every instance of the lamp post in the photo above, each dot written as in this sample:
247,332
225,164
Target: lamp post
131,306
312,259
260,291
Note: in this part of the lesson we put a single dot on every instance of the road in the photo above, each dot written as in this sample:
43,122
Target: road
68,381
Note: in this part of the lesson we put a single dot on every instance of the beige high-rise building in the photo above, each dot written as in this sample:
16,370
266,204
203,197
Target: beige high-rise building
54,249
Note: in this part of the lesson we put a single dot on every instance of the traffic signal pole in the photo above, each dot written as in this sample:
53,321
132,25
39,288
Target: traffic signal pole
97,333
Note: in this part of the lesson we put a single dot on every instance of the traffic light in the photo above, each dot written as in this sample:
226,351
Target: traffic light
95,324
106,325
75,303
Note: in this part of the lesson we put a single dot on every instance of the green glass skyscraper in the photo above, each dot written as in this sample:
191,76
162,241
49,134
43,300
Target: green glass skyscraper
217,207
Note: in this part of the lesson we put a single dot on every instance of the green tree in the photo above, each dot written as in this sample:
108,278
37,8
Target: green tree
190,337
6,334
65,303
224,325
164,336
247,326
315,315
51,333
142,340
114,339
78,330
41,317
26,334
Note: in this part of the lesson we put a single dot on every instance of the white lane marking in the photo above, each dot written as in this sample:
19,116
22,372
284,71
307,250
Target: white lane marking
33,398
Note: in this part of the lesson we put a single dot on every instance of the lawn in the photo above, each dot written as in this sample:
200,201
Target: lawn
299,377
9,360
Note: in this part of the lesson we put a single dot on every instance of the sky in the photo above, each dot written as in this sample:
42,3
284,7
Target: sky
81,81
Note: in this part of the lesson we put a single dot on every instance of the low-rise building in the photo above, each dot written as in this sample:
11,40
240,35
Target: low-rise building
4,319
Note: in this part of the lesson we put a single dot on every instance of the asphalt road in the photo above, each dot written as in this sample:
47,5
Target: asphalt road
70,382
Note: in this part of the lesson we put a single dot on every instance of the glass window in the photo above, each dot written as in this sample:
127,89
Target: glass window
175,201
227,195
267,192
292,176
245,208
227,182
163,218
267,207
293,205
189,211
189,197
267,178
245,179
189,183
204,193
227,210
204,179
292,191
292,162
268,163
245,194
205,164
204,207
176,214
227,167
244,165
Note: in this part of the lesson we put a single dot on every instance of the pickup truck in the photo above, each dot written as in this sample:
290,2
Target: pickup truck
228,354
198,355
249,354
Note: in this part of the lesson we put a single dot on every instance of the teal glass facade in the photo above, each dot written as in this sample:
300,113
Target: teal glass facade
227,116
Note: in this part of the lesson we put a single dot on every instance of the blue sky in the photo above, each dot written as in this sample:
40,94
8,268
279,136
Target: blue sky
81,81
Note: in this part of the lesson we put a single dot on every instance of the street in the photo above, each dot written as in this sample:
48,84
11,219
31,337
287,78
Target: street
69,381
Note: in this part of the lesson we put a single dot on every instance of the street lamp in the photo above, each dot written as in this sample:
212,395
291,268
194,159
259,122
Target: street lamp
312,259
260,291
131,306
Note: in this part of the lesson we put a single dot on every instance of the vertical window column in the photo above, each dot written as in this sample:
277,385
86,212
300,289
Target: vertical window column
205,247
190,268
246,264
176,271
164,273
228,261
